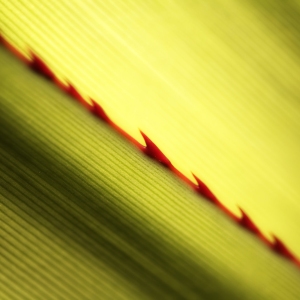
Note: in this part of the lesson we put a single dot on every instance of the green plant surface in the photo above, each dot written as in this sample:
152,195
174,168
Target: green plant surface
85,215
215,84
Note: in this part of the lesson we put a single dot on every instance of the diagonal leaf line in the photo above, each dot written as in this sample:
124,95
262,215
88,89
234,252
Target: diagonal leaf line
31,274
104,256
15,189
39,269
180,216
59,265
84,141
166,233
30,222
282,250
41,138
178,263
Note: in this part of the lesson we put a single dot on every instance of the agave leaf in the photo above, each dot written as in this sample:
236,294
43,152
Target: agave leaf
84,215
213,83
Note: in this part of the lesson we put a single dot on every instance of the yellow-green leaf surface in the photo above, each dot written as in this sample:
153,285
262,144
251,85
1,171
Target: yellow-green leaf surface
84,215
215,84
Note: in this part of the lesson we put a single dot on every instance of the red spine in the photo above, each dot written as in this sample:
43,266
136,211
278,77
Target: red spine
151,150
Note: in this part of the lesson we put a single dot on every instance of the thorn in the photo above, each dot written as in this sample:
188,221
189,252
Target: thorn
182,177
154,152
40,67
203,190
61,85
72,91
279,247
13,50
98,111
247,223
150,149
